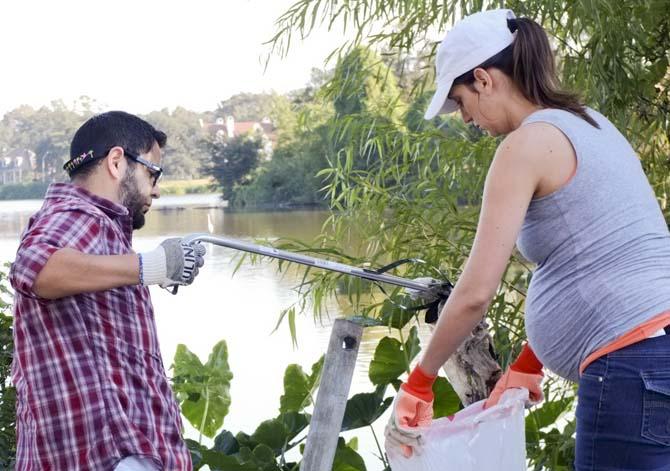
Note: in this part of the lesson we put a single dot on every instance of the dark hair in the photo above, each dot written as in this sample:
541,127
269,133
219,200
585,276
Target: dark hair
104,131
529,62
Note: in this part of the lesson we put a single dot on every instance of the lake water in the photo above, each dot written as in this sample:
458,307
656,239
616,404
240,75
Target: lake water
242,308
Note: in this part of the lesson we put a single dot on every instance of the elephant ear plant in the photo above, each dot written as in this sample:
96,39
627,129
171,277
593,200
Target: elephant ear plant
276,443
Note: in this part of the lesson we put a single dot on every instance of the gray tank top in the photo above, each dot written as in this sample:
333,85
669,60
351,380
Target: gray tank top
601,246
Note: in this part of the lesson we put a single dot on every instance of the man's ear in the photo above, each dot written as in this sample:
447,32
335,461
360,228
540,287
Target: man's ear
115,163
483,80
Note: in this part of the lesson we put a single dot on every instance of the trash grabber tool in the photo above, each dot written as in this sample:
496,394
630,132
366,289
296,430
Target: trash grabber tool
439,289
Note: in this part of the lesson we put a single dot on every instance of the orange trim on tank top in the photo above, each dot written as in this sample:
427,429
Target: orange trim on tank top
639,333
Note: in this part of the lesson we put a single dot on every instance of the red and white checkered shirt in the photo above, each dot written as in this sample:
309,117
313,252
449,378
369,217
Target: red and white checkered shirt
91,385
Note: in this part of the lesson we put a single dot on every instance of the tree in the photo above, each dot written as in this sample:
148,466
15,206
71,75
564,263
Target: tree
46,131
362,90
291,177
233,160
185,151
247,106
363,83
318,78
301,152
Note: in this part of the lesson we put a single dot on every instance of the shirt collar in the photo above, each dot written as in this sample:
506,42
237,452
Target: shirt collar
70,191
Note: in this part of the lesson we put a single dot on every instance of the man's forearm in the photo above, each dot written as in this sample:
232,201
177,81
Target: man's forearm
69,272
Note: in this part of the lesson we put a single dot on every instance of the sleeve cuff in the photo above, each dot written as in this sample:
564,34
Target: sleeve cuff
27,266
152,267
420,384
527,362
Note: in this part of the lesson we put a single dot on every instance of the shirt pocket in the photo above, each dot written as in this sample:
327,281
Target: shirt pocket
656,407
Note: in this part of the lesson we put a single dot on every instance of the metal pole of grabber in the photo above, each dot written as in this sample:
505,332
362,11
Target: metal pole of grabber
338,370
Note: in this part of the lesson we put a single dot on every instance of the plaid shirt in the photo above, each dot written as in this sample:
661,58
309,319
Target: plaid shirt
91,386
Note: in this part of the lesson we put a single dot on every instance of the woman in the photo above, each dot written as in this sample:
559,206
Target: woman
567,187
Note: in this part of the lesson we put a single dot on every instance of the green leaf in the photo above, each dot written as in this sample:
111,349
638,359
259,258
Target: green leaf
549,412
346,459
246,454
446,400
366,321
218,359
413,345
344,467
392,359
225,443
262,458
365,408
196,450
186,362
203,391
294,423
393,315
245,441
353,443
298,387
220,462
544,416
275,433
272,433
264,454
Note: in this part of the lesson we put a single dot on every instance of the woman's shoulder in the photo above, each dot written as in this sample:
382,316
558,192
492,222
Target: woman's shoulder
536,138
543,152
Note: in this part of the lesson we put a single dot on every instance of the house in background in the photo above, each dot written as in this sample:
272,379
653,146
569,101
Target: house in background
17,166
228,128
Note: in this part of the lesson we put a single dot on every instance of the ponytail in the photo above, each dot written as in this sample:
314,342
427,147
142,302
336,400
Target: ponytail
534,70
529,62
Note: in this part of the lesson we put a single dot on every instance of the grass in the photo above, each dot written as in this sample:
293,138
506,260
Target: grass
186,187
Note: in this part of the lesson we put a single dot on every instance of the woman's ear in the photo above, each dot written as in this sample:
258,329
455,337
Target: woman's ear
483,80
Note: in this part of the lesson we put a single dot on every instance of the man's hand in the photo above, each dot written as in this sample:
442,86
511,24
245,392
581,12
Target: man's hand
173,262
412,408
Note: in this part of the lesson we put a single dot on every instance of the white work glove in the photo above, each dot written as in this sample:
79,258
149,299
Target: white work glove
173,262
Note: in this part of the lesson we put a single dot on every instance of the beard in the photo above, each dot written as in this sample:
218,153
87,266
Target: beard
132,199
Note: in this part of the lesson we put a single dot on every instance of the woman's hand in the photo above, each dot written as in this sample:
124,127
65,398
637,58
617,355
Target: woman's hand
525,372
412,409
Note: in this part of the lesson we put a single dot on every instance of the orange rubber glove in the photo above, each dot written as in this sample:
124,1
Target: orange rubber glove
525,372
413,407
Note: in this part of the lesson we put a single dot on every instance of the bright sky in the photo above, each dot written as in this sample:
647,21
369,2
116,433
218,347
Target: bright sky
144,55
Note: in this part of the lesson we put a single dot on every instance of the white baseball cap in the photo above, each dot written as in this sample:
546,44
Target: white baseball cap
472,41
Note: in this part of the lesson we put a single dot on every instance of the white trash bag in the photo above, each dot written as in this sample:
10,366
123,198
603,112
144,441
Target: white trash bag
473,439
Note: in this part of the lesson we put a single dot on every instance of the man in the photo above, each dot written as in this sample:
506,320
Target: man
92,393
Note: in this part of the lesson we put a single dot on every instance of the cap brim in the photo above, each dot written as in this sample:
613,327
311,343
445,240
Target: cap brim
440,103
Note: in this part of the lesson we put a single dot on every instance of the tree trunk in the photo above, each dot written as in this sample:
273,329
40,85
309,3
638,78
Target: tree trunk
473,370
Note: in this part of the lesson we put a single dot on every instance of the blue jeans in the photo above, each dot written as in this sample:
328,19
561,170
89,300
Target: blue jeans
623,409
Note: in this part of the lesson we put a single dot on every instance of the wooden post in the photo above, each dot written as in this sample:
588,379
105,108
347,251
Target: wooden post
338,370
